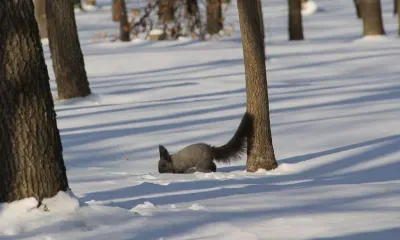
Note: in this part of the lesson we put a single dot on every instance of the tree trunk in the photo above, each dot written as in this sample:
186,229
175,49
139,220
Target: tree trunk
214,16
124,27
295,20
166,10
192,9
31,161
260,12
40,16
260,151
116,10
357,6
395,3
66,53
372,17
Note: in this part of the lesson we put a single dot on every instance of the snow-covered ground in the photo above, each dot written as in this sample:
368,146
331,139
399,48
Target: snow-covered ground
335,115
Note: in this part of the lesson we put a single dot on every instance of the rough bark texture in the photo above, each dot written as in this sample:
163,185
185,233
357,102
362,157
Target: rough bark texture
124,27
260,12
295,20
371,13
40,16
66,53
214,16
116,10
166,10
31,162
357,6
260,151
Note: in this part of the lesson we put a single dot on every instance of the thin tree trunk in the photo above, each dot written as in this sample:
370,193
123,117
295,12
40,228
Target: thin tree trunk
40,16
395,3
123,22
116,10
260,12
214,16
295,20
192,9
371,13
357,6
260,151
31,161
66,53
166,10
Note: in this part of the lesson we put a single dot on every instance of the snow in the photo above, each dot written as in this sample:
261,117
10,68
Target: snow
334,103
309,8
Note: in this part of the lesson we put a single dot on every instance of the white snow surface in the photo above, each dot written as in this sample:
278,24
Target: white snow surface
309,8
335,118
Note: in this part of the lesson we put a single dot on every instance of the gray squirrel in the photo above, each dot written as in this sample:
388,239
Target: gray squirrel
199,157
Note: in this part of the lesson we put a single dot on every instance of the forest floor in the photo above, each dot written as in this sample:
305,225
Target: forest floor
335,116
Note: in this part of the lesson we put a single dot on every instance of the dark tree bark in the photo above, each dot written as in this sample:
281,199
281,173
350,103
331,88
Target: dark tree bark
192,7
192,10
295,20
40,16
31,161
116,10
371,13
166,10
395,4
124,27
260,12
214,16
66,53
260,151
357,6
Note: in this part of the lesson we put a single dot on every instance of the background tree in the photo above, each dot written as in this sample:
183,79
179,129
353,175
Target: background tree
214,16
371,14
295,20
192,9
40,16
124,26
260,151
31,161
165,10
66,53
116,10
357,6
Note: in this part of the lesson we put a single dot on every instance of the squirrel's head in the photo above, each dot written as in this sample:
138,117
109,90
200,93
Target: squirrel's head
165,163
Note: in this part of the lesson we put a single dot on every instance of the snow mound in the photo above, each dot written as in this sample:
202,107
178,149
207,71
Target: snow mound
61,213
373,39
309,8
144,209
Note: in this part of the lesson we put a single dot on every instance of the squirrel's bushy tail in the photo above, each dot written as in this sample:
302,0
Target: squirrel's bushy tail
236,146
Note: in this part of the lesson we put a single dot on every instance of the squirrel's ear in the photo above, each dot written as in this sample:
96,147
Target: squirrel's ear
163,152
